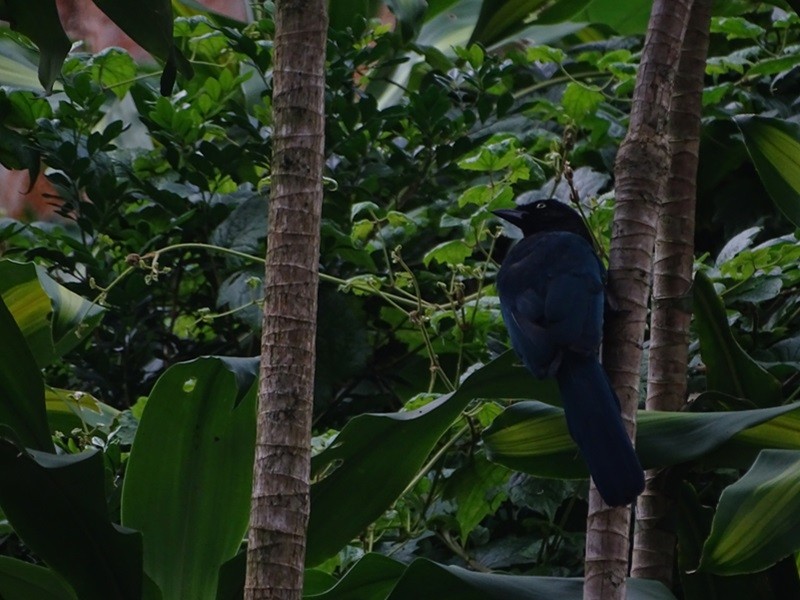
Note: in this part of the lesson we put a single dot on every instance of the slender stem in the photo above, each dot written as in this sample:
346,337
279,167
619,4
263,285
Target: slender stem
434,459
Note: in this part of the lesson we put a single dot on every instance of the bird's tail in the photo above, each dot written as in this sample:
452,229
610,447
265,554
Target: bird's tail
595,423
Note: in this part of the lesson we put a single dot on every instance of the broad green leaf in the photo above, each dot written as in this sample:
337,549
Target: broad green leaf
25,581
630,17
149,24
377,577
772,66
18,66
736,28
580,101
694,524
188,480
730,370
453,252
502,18
477,489
115,70
373,576
774,148
57,506
427,580
532,437
39,21
668,438
22,411
52,318
758,518
372,445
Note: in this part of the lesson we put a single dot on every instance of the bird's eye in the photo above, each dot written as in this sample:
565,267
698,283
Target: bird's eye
540,205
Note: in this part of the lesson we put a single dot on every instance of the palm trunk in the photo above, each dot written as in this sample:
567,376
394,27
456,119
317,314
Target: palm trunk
641,174
280,502
654,541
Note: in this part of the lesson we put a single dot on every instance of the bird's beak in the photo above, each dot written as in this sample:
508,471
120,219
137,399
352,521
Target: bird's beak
511,215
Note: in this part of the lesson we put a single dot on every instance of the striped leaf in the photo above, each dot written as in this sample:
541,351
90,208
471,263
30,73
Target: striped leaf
758,517
52,318
774,148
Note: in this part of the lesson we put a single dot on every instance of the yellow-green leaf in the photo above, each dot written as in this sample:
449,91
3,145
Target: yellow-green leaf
774,148
758,518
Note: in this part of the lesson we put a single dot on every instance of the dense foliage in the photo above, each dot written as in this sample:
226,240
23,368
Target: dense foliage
162,224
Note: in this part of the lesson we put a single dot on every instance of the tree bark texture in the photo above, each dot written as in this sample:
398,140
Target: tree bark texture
280,501
641,171
654,540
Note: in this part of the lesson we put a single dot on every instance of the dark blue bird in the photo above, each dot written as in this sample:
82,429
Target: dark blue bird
552,295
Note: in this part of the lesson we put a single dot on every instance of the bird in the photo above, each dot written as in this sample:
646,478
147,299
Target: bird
551,287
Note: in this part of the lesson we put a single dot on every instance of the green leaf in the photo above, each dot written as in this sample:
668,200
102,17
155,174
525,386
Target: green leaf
373,576
773,66
25,581
149,24
67,410
18,66
39,21
453,252
668,438
16,152
736,28
694,525
427,580
372,445
115,70
478,491
630,17
52,318
532,437
730,370
758,518
500,20
22,411
192,458
57,505
774,148
579,100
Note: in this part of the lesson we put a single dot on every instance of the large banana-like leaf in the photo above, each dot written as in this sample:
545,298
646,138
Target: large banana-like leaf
57,505
22,408
52,318
694,525
758,518
532,437
188,481
774,148
23,581
730,369
376,577
39,21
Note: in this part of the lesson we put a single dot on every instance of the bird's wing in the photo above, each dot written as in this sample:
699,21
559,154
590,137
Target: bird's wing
574,307
551,293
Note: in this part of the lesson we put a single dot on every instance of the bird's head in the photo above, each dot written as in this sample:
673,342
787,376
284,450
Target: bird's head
545,215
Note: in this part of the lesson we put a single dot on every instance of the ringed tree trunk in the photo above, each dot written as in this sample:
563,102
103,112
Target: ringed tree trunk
280,499
641,173
655,537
